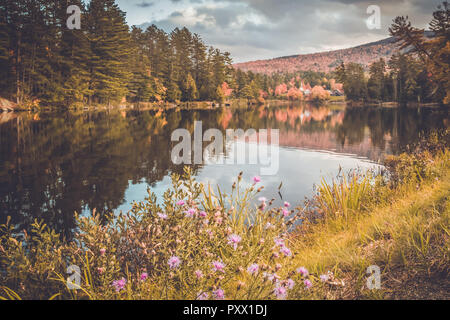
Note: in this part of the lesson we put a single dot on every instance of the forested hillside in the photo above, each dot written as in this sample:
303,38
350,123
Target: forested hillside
325,61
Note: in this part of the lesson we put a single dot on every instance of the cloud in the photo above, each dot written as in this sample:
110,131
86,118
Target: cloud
261,29
145,4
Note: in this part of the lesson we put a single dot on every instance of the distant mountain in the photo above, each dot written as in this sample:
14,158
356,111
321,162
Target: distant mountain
325,61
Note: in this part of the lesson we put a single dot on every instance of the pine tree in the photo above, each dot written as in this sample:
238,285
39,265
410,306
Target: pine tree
189,89
434,53
140,87
181,44
173,93
76,53
354,81
5,57
220,95
110,45
199,61
376,81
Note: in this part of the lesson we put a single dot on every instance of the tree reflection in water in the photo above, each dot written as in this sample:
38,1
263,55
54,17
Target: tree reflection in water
52,165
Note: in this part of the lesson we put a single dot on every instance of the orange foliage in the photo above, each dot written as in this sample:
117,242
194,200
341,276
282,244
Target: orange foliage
227,91
294,94
318,93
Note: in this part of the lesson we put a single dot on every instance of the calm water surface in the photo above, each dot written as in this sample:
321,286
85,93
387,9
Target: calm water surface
53,165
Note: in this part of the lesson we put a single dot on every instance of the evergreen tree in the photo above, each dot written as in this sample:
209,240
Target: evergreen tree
75,53
434,53
220,95
352,76
376,81
173,93
110,45
189,89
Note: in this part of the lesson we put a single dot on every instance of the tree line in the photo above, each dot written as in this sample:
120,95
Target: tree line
103,62
42,61
417,73
402,79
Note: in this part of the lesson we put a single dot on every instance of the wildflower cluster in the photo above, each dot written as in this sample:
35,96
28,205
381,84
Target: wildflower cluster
193,245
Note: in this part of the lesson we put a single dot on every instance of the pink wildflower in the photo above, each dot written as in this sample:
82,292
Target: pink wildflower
144,276
162,215
174,262
285,212
287,252
102,251
219,294
273,277
256,179
180,203
252,269
119,284
263,204
287,204
190,213
234,240
279,242
202,214
203,296
290,284
198,274
324,278
307,283
303,271
280,292
218,266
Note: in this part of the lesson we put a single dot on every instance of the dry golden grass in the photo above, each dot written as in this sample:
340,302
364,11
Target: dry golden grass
408,235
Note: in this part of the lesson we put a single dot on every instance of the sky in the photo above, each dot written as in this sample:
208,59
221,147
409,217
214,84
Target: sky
264,29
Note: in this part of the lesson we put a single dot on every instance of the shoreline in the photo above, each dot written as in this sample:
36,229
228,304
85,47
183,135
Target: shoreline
209,105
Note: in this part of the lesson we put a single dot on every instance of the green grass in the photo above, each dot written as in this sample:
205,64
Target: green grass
337,99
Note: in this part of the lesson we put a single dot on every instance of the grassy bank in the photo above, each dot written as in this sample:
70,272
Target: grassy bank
201,244
405,232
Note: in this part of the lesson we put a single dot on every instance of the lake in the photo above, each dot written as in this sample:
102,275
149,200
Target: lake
52,165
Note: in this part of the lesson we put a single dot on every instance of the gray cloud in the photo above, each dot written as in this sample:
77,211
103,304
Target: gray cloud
261,29
145,4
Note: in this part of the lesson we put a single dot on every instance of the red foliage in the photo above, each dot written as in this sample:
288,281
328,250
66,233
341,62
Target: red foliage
281,89
227,91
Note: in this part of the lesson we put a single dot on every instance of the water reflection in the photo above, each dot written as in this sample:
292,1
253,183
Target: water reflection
53,165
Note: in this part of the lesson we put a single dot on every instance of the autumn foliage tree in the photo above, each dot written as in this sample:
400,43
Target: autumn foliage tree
294,93
319,94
